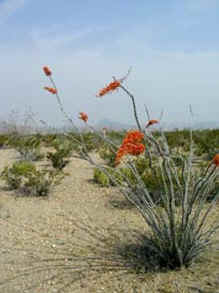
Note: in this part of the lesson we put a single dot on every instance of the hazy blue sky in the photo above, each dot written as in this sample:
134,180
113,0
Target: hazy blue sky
173,47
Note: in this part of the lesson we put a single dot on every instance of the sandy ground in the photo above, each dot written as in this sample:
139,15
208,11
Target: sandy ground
33,227
40,236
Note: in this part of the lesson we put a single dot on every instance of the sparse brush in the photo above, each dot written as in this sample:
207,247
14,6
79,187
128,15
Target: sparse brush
3,140
63,150
58,159
178,139
102,176
62,143
207,142
108,154
85,141
122,175
48,139
116,136
24,177
39,183
13,175
28,147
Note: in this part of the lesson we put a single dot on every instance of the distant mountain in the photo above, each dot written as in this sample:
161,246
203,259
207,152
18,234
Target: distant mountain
110,124
207,124
197,125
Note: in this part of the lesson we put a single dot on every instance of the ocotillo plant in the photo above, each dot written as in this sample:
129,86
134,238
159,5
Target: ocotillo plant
178,226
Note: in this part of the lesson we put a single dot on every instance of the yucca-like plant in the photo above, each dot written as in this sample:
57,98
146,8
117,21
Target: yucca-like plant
178,230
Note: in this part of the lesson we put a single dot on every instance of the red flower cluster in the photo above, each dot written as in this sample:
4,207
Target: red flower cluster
83,116
216,160
133,136
47,71
131,145
51,90
151,122
111,87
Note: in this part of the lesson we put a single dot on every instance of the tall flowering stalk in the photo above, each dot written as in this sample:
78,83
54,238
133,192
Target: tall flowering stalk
83,116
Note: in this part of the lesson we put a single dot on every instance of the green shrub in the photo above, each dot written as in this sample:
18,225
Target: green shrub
108,154
3,140
13,175
48,139
85,142
39,183
24,176
207,142
63,150
58,159
101,178
116,136
178,139
28,147
111,176
125,174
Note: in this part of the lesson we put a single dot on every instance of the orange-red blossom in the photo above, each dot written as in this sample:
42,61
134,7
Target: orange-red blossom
51,90
83,116
109,88
131,145
216,160
133,136
151,122
47,71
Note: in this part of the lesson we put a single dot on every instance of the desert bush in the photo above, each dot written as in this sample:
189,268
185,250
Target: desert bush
48,139
150,178
85,141
108,154
111,176
207,142
116,136
28,147
101,178
24,177
3,140
39,183
178,139
63,150
58,159
13,175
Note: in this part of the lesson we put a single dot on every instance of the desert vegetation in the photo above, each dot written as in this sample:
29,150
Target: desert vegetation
166,181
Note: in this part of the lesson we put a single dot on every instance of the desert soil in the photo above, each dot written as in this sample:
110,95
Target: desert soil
30,226
40,233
